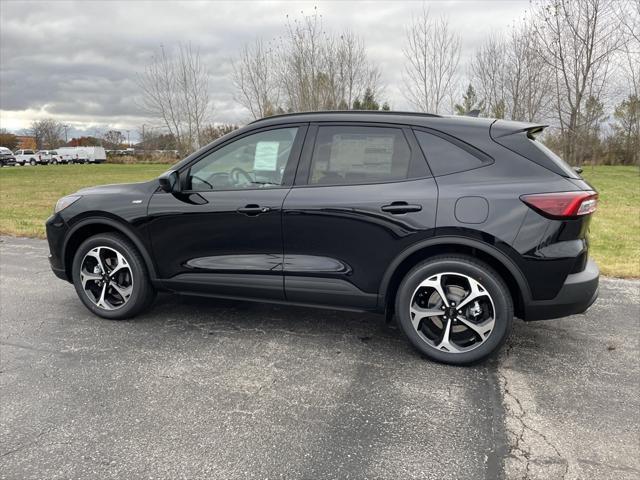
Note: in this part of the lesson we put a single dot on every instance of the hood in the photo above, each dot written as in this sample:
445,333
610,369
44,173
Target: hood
119,188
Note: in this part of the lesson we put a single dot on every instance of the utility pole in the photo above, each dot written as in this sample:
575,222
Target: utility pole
144,144
66,139
128,141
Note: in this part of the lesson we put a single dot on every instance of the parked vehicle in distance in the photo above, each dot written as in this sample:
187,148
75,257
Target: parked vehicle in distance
452,225
6,157
83,154
51,156
24,157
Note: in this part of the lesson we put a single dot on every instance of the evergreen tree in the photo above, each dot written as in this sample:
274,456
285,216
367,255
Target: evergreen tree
470,102
369,102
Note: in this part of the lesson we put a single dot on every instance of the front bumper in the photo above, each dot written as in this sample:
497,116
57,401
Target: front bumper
56,231
577,294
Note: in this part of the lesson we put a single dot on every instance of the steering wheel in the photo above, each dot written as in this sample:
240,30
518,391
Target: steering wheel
201,180
236,172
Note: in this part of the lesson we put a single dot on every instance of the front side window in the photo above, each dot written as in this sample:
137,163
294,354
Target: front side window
351,154
254,161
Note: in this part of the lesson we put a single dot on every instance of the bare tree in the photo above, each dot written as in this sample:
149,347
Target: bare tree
529,82
255,79
47,132
512,77
307,69
113,139
577,42
432,53
489,73
176,90
629,18
355,73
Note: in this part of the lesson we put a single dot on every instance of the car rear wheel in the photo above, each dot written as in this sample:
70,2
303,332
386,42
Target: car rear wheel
111,278
454,309
32,162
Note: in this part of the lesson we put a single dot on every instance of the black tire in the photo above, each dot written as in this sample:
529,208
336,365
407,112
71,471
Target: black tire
32,162
466,266
143,293
54,162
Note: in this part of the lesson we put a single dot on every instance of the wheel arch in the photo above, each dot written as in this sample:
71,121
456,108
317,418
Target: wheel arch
513,277
89,227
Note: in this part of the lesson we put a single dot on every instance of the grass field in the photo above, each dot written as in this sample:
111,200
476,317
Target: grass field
27,196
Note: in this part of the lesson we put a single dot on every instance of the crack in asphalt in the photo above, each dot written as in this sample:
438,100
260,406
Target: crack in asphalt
34,441
519,449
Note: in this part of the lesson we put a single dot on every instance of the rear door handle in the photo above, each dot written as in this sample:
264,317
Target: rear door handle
253,210
397,208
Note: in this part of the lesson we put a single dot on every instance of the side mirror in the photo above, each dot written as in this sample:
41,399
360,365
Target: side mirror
169,181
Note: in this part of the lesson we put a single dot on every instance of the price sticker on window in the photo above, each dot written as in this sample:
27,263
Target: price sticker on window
266,156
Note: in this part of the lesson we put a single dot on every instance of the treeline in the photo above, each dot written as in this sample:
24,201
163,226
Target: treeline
574,65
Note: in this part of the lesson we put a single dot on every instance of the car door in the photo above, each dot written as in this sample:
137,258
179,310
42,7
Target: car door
363,193
222,233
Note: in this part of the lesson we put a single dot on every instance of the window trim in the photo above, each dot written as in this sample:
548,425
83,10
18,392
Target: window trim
485,159
287,176
416,160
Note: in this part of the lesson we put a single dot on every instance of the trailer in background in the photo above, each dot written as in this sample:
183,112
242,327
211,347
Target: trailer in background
82,154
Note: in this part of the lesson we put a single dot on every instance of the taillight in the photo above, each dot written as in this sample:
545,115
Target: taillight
562,205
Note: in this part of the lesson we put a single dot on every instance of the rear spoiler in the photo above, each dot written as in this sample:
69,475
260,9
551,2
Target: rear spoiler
502,128
520,138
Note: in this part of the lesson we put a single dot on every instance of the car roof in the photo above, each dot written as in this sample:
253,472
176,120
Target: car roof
372,116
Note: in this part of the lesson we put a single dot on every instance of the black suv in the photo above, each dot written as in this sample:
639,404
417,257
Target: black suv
453,225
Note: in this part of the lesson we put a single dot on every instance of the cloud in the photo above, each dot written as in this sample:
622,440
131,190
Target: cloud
78,61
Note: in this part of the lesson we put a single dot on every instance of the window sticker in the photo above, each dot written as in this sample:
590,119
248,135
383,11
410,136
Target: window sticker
366,153
266,156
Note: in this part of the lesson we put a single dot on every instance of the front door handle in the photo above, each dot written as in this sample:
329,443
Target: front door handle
397,208
253,210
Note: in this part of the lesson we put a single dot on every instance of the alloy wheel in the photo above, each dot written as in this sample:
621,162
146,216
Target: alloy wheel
452,312
106,278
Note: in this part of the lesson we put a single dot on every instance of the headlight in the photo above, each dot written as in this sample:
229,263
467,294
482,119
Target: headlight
64,202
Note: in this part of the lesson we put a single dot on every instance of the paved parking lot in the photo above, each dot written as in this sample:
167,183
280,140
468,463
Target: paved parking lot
217,389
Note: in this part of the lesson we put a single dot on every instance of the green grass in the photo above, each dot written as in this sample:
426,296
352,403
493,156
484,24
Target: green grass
28,195
615,228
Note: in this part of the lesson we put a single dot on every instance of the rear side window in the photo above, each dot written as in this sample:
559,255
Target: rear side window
354,154
444,157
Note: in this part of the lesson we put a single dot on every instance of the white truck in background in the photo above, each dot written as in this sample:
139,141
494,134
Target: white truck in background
29,157
82,154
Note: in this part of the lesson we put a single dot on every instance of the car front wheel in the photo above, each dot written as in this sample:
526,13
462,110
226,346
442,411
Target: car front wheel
454,309
111,278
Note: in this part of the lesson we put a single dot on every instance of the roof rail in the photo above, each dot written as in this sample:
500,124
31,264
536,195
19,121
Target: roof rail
374,112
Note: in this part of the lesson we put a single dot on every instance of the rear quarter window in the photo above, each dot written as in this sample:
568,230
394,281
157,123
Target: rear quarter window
445,157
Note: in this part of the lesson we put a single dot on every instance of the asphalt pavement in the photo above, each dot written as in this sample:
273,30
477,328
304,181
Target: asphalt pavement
201,388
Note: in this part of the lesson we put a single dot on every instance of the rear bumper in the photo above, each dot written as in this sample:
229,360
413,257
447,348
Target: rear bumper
577,294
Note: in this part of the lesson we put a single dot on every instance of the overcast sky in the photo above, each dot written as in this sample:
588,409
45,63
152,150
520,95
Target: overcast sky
77,61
